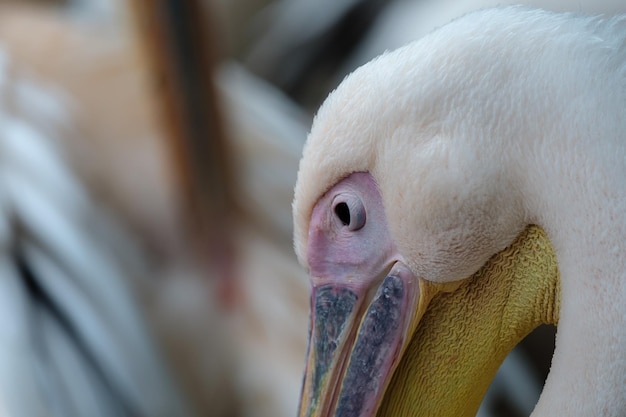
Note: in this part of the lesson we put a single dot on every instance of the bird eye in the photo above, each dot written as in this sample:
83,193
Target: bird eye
349,211
343,213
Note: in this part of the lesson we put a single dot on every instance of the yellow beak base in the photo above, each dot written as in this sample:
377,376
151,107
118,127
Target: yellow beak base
465,335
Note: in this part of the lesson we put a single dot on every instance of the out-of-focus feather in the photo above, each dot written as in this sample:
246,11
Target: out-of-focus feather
83,345
298,44
92,65
268,132
118,150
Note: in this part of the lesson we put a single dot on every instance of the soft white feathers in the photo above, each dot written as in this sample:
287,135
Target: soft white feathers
492,79
502,118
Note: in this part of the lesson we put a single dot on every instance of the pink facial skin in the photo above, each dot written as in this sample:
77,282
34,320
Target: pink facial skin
349,241
362,302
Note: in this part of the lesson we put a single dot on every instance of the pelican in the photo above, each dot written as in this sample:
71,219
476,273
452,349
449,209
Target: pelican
454,194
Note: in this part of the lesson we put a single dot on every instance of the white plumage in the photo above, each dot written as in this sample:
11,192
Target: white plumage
501,119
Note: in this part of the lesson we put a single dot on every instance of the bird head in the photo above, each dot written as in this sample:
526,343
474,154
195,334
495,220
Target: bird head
414,242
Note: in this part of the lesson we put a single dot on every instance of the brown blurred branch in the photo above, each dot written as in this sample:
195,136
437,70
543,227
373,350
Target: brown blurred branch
177,38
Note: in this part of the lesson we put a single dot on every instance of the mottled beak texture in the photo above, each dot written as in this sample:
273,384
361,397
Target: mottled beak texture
355,344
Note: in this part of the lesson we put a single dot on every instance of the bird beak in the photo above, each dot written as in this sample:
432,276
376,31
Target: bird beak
450,348
356,340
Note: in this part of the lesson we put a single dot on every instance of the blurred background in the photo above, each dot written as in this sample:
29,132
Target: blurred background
148,153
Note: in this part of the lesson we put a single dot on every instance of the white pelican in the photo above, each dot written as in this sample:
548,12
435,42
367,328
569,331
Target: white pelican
420,171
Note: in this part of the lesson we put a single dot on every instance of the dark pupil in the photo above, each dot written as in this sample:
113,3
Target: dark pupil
343,212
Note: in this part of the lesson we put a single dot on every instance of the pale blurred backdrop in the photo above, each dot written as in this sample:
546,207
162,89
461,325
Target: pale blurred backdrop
148,153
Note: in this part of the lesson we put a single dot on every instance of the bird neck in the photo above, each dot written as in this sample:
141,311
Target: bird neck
579,198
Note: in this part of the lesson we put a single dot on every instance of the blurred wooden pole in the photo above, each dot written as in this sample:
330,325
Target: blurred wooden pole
178,43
